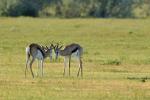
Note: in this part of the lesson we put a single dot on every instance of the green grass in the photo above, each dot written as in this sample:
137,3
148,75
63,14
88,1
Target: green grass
116,59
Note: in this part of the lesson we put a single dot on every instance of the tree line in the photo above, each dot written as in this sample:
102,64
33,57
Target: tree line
76,8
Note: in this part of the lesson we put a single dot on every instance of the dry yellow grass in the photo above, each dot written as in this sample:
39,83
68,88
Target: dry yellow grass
116,59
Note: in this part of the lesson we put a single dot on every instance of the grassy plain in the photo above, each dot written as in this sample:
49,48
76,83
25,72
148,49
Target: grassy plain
116,59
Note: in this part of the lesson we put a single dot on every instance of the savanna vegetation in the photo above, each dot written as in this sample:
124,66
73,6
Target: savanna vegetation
116,59
76,8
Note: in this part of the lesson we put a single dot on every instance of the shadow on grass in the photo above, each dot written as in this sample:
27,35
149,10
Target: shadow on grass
112,62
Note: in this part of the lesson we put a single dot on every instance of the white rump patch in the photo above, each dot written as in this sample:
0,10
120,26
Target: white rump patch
27,50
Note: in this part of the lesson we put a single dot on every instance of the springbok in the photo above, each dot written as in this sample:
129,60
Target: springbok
67,52
37,52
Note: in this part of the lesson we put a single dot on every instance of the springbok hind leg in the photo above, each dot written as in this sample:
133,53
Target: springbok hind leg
80,68
26,68
65,65
69,64
31,67
78,72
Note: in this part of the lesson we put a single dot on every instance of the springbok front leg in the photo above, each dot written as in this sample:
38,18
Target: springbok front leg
65,65
69,64
81,67
40,68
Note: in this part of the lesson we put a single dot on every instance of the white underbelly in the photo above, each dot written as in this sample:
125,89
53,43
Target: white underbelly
39,55
75,54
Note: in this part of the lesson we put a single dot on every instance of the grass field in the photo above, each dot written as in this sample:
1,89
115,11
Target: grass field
116,59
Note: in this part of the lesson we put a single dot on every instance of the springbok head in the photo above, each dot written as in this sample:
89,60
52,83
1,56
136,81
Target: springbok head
57,49
48,51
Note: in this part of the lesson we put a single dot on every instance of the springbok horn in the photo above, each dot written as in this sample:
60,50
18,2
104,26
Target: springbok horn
47,47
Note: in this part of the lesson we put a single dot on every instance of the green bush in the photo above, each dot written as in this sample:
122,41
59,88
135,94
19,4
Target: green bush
19,7
76,8
25,8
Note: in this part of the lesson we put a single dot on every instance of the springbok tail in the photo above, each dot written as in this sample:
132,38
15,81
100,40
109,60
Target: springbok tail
27,53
